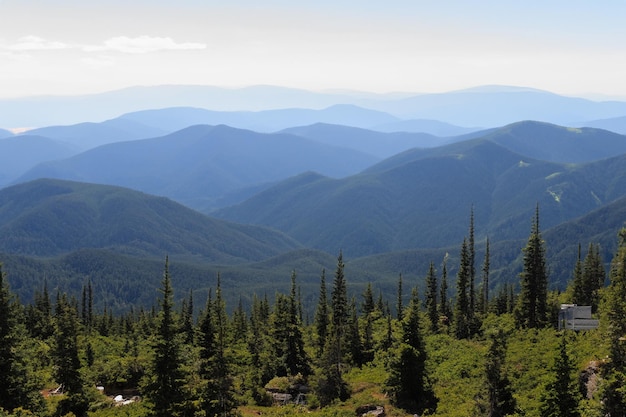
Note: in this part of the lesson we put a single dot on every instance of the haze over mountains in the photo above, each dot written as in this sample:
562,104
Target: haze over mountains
389,180
486,107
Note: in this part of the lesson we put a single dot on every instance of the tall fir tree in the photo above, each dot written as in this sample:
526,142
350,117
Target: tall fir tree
331,384
216,395
445,311
260,353
17,385
353,337
462,311
399,303
297,360
368,308
499,394
66,359
579,294
408,383
561,396
471,260
166,387
531,310
321,316
187,325
614,376
484,293
594,276
431,298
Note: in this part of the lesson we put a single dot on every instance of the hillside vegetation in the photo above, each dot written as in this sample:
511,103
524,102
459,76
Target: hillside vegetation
439,357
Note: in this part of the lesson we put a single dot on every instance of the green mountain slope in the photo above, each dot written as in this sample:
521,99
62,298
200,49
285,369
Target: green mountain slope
559,144
422,199
53,217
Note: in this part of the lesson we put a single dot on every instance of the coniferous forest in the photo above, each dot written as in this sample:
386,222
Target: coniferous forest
455,350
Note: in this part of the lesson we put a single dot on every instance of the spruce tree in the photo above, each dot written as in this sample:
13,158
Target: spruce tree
17,387
239,323
462,312
408,384
561,395
532,304
165,390
368,309
500,400
431,298
260,353
331,384
578,287
186,325
66,359
399,306
445,311
594,276
216,396
484,294
297,361
614,375
321,316
353,337
471,260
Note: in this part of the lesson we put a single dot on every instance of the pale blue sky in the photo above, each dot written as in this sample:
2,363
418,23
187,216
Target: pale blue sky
73,47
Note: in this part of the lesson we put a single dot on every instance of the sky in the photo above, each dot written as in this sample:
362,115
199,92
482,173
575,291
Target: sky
70,47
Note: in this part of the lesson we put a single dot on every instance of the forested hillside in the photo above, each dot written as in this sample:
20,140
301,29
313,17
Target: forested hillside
475,353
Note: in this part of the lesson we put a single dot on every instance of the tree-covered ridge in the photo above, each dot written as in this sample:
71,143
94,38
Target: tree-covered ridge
497,354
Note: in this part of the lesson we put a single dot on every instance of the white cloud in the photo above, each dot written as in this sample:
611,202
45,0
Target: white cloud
124,44
143,45
35,43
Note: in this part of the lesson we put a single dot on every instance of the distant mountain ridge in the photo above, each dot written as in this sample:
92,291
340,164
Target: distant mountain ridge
21,153
485,107
201,165
47,218
404,201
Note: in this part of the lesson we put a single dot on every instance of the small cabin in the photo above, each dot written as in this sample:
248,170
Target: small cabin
575,317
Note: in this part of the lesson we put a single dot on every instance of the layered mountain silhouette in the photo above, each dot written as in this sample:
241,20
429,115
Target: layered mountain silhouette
489,106
88,135
422,199
21,153
201,166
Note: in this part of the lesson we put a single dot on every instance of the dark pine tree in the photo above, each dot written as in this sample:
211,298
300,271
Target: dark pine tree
331,384
66,359
368,308
165,390
614,375
353,337
321,316
500,400
531,310
462,311
297,359
471,260
431,298
17,387
484,293
561,396
187,326
579,295
445,310
594,276
408,384
399,304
